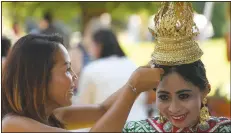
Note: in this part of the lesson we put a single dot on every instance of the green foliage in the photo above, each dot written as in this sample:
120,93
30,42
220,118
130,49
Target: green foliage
20,10
198,7
68,10
218,19
120,11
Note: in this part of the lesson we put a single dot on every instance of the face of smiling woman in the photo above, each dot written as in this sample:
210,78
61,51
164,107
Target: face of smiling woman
62,85
179,100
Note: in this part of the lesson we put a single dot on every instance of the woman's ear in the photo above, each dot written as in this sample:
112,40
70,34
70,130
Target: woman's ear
207,90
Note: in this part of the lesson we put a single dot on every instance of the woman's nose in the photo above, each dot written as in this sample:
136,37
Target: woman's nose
174,107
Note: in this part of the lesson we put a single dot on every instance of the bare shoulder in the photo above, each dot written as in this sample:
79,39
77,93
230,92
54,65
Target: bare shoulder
14,123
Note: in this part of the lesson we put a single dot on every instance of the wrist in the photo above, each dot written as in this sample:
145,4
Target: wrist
133,89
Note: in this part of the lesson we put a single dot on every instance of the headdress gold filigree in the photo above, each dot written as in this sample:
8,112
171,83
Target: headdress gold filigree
174,32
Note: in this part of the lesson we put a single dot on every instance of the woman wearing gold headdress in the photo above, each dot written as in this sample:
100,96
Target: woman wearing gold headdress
181,94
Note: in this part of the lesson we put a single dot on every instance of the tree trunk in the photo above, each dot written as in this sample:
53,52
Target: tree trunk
90,10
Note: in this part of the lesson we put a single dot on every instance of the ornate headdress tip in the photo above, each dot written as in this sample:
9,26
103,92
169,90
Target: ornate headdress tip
174,31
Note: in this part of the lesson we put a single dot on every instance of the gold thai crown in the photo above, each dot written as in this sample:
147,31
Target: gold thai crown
174,32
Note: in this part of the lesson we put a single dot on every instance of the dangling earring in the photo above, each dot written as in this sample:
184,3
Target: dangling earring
161,118
204,116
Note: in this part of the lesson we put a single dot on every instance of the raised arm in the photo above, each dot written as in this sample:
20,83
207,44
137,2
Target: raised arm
75,117
86,115
143,79
82,116
113,120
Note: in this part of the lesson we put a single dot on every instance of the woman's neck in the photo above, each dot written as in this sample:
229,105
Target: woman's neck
50,107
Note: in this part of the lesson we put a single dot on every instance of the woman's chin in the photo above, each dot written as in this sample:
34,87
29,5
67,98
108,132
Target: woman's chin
179,126
69,103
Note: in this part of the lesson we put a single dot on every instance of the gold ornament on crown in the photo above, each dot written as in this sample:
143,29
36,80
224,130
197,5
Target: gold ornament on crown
174,32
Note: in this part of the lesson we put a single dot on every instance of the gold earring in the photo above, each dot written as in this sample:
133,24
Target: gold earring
161,118
204,116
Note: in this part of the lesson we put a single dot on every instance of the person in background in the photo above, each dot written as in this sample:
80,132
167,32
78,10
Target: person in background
17,31
6,44
31,26
47,26
110,69
80,54
16,28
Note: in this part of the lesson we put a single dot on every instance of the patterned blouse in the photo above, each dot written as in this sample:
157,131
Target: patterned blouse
215,124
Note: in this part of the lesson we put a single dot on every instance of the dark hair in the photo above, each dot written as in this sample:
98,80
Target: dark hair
6,44
107,39
26,76
48,17
194,73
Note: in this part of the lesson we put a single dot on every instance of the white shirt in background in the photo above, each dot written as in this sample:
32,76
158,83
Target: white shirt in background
103,77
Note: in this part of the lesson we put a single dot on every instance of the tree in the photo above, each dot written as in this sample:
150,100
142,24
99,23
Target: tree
85,10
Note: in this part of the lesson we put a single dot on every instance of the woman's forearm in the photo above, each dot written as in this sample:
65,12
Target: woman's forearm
116,116
82,116
106,104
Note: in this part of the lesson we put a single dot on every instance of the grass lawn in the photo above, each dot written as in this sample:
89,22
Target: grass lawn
214,58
